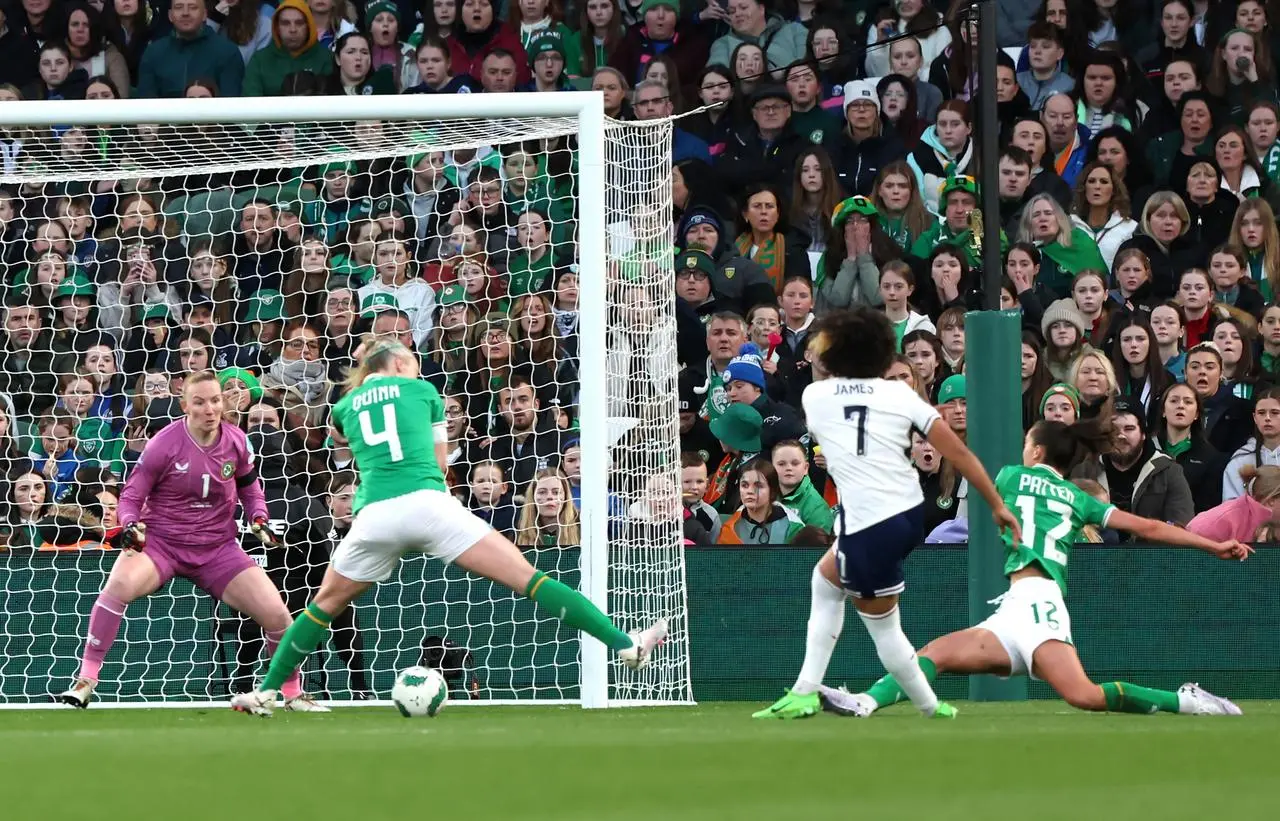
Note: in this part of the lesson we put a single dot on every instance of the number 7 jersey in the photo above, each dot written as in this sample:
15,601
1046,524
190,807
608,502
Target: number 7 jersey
864,427
1052,512
392,424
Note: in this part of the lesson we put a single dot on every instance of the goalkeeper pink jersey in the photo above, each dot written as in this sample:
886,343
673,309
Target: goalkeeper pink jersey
186,494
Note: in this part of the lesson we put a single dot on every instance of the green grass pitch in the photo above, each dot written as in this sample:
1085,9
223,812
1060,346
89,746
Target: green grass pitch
1029,760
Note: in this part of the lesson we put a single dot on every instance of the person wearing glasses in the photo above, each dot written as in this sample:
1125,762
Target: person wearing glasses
652,101
766,150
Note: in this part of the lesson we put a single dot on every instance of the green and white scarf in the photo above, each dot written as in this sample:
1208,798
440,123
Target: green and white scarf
1271,162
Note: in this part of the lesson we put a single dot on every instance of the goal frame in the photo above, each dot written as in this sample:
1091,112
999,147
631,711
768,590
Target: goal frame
588,108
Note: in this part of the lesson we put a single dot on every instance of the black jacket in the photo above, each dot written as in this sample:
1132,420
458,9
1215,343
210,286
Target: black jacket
748,158
1167,265
857,164
1161,491
1202,467
520,460
1228,420
21,63
781,422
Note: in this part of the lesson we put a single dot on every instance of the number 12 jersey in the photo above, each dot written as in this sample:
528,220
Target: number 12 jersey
392,424
1051,512
864,427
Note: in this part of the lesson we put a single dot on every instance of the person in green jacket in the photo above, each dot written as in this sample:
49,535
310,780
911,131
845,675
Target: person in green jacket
790,460
959,197
192,51
294,47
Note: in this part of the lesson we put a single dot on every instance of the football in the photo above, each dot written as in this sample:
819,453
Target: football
420,691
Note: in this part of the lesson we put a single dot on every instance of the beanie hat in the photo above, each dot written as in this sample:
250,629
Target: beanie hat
674,5
952,388
546,42
250,381
1062,310
377,7
1061,389
746,367
860,90
702,216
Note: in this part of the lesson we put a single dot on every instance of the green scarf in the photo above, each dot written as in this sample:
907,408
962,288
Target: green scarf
1081,255
1176,449
1271,162
896,228
771,256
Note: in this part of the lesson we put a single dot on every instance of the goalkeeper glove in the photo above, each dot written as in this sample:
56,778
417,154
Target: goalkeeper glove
132,537
260,528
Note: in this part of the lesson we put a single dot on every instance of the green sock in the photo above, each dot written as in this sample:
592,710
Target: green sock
1130,698
303,636
886,691
573,608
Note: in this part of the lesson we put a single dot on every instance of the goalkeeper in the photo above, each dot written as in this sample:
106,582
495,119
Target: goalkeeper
394,424
177,518
1030,632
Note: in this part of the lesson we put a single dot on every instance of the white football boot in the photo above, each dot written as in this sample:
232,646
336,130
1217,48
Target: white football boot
304,703
80,694
258,703
842,702
1205,703
637,656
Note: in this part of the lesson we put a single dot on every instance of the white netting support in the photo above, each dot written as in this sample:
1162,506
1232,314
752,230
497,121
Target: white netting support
519,244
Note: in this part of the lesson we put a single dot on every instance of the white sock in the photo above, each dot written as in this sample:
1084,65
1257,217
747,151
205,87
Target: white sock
899,659
1186,703
826,620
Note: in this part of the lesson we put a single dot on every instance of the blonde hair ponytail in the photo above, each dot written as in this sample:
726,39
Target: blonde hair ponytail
377,355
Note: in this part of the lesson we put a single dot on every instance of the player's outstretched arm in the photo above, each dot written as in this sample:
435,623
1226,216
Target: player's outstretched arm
1154,531
945,441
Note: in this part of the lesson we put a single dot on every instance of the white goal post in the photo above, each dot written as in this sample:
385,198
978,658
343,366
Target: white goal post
631,558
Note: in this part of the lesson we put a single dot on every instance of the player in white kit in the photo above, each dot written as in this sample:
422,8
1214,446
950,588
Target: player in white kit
864,424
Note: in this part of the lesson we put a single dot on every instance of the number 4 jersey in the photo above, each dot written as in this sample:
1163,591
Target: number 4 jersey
1051,511
864,427
392,424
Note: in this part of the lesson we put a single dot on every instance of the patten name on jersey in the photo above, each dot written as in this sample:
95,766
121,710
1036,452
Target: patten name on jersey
1043,487
379,393
847,388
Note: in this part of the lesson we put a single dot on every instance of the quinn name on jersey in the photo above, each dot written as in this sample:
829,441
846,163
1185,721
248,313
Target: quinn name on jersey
864,427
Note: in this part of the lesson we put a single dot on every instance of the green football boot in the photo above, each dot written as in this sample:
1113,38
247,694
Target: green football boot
792,705
945,710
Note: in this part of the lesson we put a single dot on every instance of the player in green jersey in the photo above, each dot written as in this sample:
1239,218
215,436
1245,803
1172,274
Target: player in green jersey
1030,632
395,426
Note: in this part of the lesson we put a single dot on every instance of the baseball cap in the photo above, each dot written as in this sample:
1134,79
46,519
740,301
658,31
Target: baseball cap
453,294
265,306
697,261
377,301
952,388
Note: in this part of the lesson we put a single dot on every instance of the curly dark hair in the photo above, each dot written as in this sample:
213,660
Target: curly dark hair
855,344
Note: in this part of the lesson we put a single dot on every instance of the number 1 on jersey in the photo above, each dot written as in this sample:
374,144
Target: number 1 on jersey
389,433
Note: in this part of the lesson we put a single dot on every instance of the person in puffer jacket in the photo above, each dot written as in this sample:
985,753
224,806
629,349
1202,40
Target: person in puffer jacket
761,519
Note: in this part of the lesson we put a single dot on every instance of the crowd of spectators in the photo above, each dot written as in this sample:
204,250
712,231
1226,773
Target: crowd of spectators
824,157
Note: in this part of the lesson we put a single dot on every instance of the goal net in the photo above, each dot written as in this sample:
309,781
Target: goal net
520,244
